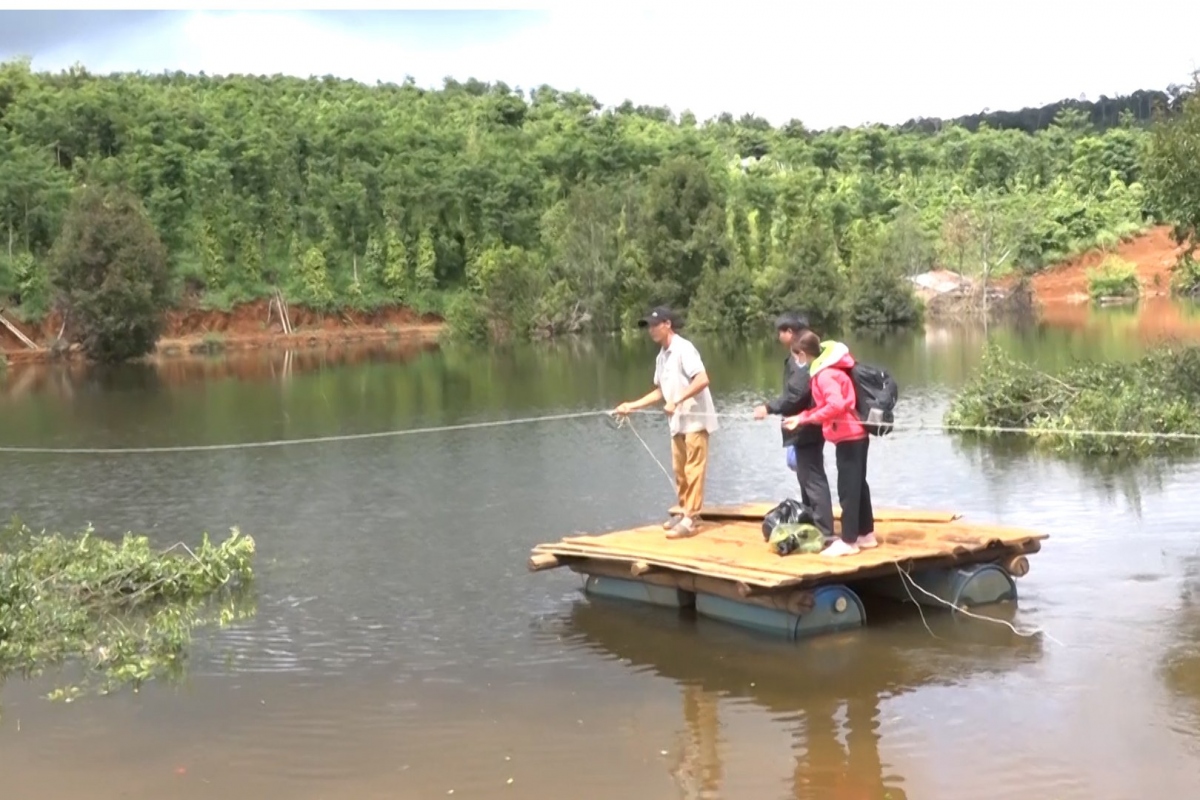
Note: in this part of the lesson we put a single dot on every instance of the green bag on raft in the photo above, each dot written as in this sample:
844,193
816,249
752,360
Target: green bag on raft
793,537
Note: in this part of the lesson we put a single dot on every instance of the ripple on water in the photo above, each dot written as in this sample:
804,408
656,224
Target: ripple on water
975,726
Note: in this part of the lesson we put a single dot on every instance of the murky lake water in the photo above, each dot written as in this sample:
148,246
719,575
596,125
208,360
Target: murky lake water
400,649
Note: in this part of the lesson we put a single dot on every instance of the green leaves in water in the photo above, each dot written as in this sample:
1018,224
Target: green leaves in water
123,612
1156,394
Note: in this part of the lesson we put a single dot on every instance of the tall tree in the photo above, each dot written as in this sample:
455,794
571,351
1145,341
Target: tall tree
109,269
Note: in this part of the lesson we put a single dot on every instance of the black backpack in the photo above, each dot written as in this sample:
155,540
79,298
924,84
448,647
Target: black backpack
876,393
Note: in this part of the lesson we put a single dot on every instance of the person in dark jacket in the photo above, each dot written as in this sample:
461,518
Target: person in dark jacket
806,444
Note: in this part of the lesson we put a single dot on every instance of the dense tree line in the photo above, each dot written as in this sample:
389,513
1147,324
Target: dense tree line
1107,112
1173,173
543,211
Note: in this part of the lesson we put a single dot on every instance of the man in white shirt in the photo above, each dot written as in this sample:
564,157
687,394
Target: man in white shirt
681,382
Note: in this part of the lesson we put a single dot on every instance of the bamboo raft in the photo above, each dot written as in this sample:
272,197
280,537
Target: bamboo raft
728,571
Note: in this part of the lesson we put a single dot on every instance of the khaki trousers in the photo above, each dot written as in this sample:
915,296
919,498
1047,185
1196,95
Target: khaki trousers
689,462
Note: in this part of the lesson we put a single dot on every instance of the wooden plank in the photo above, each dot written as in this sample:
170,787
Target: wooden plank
928,562
713,559
736,541
540,561
740,535
25,340
793,602
786,568
758,510
745,538
735,550
763,582
714,569
722,548
619,568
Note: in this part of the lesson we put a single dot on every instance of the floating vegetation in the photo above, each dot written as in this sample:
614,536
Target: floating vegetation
122,612
1132,409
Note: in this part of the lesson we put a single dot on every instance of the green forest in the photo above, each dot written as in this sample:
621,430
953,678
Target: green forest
536,213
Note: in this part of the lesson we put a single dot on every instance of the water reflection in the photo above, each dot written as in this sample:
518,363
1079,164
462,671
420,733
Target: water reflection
1007,461
227,612
1180,664
804,687
1153,319
421,378
62,378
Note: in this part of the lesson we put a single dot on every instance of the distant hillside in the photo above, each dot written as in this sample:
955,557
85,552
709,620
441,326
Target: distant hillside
1103,114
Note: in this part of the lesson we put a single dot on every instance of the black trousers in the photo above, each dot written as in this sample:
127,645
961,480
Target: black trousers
814,484
858,518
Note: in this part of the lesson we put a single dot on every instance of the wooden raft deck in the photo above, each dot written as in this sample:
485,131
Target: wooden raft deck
729,547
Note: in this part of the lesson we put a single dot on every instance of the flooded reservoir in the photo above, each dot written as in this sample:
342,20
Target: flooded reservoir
400,648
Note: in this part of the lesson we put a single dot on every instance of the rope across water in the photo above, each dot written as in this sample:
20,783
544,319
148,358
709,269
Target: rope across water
615,421
603,414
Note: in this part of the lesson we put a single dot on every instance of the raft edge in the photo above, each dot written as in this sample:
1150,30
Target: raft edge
757,586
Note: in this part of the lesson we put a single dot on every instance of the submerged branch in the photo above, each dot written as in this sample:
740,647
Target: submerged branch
1072,411
122,610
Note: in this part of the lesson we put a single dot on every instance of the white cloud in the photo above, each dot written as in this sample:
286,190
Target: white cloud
826,64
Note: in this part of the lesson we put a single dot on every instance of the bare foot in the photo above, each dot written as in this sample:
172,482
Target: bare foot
867,541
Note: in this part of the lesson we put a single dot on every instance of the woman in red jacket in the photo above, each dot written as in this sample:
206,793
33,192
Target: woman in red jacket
834,402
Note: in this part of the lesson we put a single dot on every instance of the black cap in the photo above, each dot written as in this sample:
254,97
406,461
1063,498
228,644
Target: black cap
659,314
792,321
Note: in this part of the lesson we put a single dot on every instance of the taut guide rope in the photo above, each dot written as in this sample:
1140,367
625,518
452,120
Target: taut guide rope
349,437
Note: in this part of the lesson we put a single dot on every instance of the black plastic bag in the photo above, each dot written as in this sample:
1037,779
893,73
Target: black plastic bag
789,511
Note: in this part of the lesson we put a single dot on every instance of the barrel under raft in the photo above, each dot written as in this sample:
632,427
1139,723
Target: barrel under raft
727,572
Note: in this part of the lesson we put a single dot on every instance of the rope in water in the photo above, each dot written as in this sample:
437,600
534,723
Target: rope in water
349,437
908,581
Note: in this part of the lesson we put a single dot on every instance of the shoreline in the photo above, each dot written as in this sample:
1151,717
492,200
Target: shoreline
249,327
191,332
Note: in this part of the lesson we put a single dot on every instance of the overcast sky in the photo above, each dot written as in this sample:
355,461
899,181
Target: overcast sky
826,64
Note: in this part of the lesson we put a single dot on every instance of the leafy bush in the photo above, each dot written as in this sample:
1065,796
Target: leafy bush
1185,277
109,268
506,283
122,610
1115,278
1071,412
466,318
882,297
724,301
32,286
882,256
1173,169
